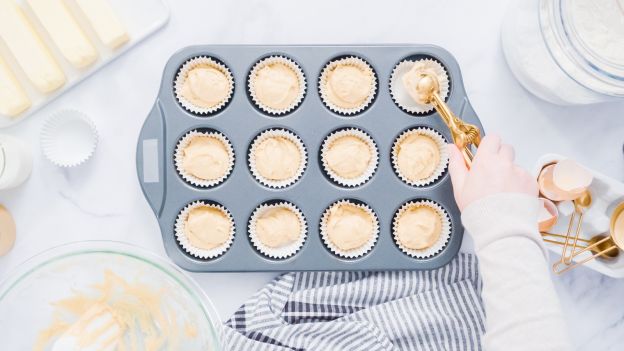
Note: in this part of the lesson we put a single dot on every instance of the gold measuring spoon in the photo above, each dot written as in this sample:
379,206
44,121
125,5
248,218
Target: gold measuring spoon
607,244
586,242
464,135
581,203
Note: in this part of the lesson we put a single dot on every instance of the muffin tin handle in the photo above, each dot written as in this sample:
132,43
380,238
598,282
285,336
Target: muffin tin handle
150,158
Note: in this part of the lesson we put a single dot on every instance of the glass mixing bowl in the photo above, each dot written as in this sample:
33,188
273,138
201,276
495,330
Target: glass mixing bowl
29,298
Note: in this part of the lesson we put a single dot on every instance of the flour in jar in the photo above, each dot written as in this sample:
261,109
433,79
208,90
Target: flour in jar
600,25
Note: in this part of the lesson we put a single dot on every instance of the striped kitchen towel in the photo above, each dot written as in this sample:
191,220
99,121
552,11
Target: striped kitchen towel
406,310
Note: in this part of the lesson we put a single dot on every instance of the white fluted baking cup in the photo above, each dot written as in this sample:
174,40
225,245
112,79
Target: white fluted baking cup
355,253
288,63
444,155
179,158
283,133
68,138
277,252
372,147
400,95
445,233
180,232
182,76
352,61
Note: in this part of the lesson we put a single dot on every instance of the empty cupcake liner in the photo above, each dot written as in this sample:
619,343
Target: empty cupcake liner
269,133
182,239
182,75
277,252
269,61
355,253
353,61
400,95
444,156
372,167
68,138
179,158
445,233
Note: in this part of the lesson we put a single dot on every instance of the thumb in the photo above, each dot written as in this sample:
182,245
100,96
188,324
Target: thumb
457,168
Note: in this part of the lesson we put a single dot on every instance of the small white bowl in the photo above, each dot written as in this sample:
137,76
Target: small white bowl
68,138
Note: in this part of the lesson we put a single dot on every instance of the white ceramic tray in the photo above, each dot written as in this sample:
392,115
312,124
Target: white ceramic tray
141,18
607,193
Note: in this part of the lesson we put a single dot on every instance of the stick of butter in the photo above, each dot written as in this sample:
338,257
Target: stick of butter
105,22
28,49
64,31
13,100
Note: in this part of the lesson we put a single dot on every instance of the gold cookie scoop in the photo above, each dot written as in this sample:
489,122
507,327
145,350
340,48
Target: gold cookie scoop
426,90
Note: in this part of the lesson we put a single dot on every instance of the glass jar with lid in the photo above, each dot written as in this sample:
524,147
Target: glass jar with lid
568,52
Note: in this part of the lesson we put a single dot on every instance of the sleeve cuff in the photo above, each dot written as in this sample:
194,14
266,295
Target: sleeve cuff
500,216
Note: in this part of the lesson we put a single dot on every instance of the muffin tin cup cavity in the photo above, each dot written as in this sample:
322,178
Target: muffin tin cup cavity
179,157
208,63
357,252
438,172
441,242
278,252
183,240
279,86
372,163
326,89
399,92
282,134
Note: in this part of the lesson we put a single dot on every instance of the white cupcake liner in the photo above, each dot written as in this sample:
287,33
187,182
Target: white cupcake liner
183,240
402,98
68,138
444,155
179,158
353,61
289,63
445,234
181,77
355,253
278,132
368,173
277,252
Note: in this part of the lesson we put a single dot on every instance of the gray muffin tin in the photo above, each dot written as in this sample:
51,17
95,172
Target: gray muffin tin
167,193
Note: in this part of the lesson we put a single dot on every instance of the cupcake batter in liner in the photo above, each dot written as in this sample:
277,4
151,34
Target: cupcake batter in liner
439,169
277,252
183,238
347,87
276,87
399,92
217,94
356,252
179,157
372,163
279,134
439,244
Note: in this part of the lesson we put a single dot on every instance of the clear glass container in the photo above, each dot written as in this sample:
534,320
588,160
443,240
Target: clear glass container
568,52
15,162
29,296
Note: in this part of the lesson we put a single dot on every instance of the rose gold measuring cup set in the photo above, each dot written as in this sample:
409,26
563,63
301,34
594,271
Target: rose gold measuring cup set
603,246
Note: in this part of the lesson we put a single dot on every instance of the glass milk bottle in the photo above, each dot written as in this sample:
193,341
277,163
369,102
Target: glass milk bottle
15,162
568,52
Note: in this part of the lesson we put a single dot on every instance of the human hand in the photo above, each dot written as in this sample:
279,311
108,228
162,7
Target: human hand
492,172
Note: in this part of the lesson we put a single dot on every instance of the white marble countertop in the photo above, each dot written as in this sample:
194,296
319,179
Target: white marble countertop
103,200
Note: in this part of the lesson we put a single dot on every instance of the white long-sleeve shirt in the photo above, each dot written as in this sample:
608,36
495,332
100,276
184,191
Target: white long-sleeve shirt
522,309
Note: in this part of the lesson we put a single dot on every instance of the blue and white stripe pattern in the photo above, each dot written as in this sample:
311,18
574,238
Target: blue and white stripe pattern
405,310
